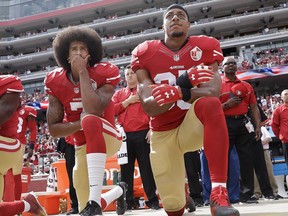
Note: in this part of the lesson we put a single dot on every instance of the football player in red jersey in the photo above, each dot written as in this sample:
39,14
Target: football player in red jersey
80,92
179,86
27,120
10,147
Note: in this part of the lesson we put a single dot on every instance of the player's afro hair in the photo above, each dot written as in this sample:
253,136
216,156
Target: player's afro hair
63,39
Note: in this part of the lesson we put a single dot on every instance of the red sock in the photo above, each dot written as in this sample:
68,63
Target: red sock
103,203
18,186
176,213
11,208
9,186
216,140
93,129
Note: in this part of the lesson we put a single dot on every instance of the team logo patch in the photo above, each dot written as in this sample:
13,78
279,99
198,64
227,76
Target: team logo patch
238,92
196,53
76,90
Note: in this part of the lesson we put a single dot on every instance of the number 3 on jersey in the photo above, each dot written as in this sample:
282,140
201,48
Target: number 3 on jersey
170,79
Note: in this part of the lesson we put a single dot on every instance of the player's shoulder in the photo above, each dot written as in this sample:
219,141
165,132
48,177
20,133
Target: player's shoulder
54,75
105,69
246,84
8,79
30,108
147,47
11,83
105,66
203,41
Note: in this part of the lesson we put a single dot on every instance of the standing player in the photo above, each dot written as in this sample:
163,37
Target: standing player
27,120
80,92
170,73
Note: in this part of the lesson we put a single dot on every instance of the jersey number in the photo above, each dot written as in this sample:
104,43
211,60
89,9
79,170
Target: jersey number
170,79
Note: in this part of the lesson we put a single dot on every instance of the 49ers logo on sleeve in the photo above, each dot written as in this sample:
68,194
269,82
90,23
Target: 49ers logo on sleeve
196,53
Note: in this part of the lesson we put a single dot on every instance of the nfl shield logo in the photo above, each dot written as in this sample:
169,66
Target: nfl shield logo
94,84
22,111
196,53
176,57
76,90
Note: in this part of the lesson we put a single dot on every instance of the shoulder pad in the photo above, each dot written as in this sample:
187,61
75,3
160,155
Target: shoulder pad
52,74
146,46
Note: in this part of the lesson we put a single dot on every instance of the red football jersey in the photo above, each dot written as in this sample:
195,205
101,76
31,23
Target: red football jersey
165,66
10,84
23,113
58,85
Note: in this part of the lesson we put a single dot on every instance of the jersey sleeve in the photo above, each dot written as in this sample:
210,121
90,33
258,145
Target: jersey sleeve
137,54
10,84
113,75
217,51
32,111
109,71
212,49
49,81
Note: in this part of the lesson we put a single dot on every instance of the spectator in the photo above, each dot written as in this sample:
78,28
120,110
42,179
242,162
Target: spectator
280,123
266,139
179,127
259,162
67,148
236,97
193,173
135,122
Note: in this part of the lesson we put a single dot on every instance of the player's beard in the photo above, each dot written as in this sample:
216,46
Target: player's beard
177,34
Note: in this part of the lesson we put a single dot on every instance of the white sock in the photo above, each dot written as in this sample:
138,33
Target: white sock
216,184
26,206
112,194
96,164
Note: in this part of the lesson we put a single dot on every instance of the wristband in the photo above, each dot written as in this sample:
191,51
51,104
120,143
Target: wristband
186,94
